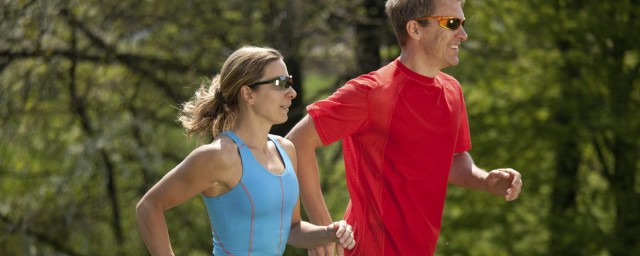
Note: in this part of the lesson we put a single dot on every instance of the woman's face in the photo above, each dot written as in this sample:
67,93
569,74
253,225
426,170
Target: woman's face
272,100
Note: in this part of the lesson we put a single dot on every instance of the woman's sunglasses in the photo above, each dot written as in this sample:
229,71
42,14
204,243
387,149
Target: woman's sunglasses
451,23
282,82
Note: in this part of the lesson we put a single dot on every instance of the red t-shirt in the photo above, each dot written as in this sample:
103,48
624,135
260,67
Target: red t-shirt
399,131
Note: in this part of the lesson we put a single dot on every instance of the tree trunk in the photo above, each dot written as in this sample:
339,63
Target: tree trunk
285,38
563,198
368,33
564,238
78,107
625,238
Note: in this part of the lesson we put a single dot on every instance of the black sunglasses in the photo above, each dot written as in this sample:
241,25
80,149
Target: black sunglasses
282,82
451,23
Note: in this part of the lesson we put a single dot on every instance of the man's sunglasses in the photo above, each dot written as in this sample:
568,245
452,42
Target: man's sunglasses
451,23
282,82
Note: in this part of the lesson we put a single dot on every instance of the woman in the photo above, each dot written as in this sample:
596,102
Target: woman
245,176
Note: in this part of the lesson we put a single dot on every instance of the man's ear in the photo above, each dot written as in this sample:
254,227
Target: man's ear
413,29
247,94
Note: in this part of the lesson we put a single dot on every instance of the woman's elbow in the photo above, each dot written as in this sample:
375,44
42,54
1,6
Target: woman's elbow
144,207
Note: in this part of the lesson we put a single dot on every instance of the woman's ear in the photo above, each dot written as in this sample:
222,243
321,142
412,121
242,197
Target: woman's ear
247,94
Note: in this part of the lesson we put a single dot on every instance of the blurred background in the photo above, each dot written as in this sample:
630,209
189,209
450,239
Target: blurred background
89,96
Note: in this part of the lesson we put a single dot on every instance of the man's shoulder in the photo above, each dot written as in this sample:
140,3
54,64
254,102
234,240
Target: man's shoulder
376,79
446,77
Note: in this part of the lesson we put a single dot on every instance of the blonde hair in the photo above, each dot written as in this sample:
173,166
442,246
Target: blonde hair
214,107
402,11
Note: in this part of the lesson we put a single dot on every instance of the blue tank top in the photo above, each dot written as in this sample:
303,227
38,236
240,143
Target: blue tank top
254,217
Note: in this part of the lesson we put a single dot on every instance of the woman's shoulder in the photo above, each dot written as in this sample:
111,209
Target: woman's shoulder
286,144
215,163
222,151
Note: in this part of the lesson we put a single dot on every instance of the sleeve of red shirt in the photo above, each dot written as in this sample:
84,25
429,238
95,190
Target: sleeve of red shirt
341,114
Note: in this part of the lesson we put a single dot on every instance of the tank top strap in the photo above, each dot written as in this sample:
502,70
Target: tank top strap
282,152
235,139
278,146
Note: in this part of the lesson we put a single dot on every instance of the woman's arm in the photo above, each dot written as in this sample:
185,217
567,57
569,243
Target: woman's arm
189,178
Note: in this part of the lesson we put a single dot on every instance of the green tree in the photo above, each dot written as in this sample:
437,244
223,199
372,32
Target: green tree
89,91
551,88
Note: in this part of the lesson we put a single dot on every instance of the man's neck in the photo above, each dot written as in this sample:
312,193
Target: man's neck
418,63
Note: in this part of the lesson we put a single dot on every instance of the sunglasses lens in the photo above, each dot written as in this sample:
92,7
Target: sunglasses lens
283,82
454,24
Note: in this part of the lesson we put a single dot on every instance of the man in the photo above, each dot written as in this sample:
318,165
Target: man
405,136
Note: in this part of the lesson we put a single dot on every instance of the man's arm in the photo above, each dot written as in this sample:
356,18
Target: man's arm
306,235
501,182
306,140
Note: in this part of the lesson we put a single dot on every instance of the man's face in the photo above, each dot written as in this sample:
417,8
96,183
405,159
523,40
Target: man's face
440,44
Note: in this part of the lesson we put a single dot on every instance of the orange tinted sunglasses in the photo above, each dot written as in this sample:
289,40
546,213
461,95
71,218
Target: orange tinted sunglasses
446,22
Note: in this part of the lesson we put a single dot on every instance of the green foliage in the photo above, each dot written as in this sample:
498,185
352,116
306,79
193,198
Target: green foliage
89,92
535,75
